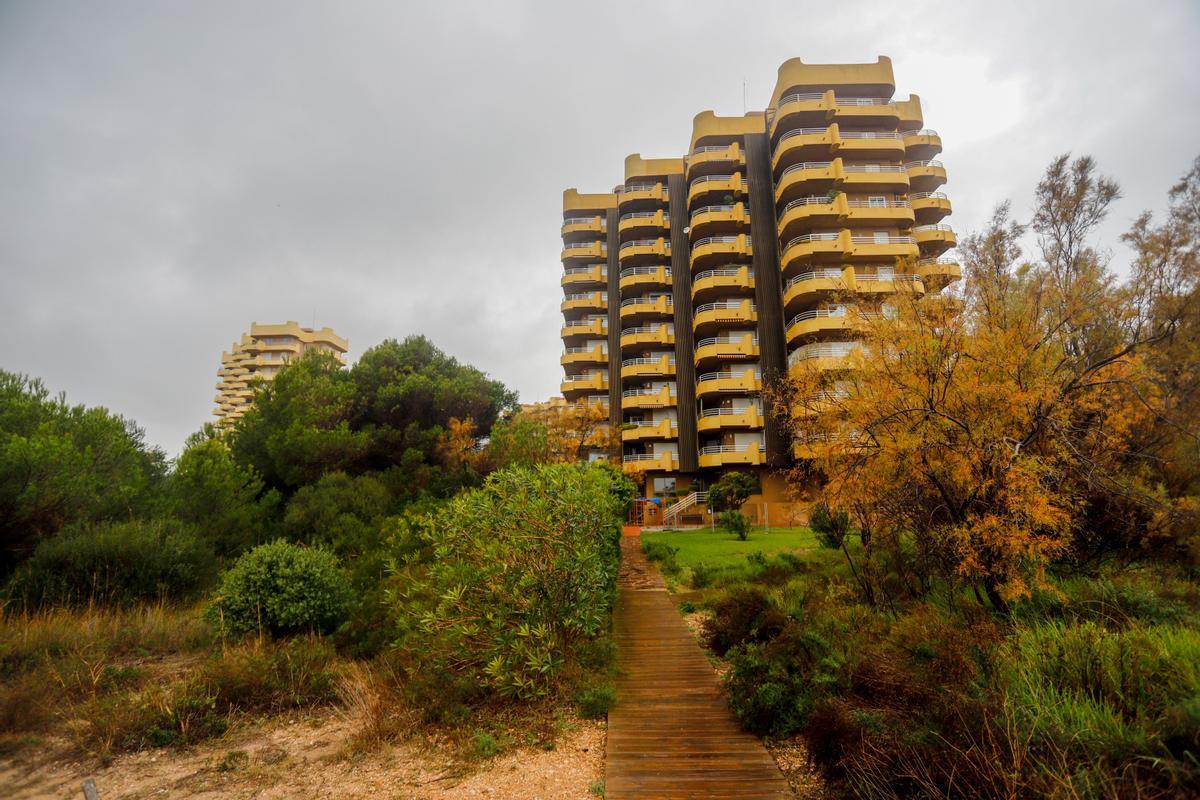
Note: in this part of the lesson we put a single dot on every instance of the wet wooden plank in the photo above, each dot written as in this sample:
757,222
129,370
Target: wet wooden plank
671,733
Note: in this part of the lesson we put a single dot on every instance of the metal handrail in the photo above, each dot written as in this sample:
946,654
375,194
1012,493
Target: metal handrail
642,392
586,296
639,187
631,271
872,168
713,376
572,350
933,162
922,132
728,412
583,323
723,304
803,132
864,101
645,329
798,97
725,339
871,135
709,178
809,200
828,272
882,240
713,240
805,238
645,214
806,165
712,148
817,313
939,227
722,272
581,270
647,299
823,350
585,245
646,243
712,209
583,221
875,204
634,362
714,449
924,195
945,260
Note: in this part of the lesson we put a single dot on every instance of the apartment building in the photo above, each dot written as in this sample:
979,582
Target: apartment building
260,354
700,277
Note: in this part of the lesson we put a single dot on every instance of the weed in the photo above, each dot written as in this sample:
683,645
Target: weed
594,702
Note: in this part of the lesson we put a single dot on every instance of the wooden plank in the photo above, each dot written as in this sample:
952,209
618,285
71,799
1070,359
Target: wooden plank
671,733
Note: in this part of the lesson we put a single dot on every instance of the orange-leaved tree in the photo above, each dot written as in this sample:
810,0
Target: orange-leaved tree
972,435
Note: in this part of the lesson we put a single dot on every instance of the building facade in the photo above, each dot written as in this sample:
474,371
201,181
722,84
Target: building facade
260,354
699,278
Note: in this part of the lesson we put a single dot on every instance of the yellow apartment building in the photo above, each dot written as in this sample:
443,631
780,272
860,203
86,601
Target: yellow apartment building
260,354
699,277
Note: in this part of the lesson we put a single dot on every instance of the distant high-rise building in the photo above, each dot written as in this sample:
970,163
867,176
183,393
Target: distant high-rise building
698,277
260,354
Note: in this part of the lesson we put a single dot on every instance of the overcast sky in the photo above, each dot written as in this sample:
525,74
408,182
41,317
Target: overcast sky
171,171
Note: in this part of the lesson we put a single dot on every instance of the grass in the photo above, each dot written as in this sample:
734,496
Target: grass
719,548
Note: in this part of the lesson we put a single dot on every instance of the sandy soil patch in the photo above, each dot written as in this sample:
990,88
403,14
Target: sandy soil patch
305,758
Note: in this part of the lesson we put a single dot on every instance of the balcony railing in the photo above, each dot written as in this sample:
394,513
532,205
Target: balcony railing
725,339
811,200
643,392
805,238
629,272
721,305
644,215
871,135
670,329
922,132
878,204
582,270
729,412
587,296
708,178
930,163
726,375
803,132
713,148
800,97
926,195
817,313
572,350
714,449
723,272
823,350
713,240
645,243
925,262
863,101
876,239
636,362
716,209
923,228
586,221
803,165
648,300
873,168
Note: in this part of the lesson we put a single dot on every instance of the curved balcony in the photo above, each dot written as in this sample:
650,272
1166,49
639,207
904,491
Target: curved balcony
727,347
724,313
869,111
724,455
735,380
922,145
657,277
646,430
713,250
648,398
711,189
714,159
647,462
805,144
588,354
804,213
815,246
585,301
808,178
814,283
574,384
939,272
644,223
719,219
875,178
909,111
648,336
887,145
653,367
641,196
588,327
651,305
735,279
801,109
925,176
825,321
723,419
824,356
579,276
584,251
934,239
930,208
643,251
584,227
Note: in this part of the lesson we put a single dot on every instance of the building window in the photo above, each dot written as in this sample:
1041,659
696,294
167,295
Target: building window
664,486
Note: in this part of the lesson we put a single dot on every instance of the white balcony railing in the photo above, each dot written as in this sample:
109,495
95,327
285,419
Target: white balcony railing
629,272
712,178
723,272
721,305
929,163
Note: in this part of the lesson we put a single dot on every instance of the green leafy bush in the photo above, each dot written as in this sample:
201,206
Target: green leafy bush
745,614
830,526
515,577
736,523
115,564
282,588
595,701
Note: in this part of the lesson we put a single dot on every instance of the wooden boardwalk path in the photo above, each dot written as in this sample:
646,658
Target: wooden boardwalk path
671,733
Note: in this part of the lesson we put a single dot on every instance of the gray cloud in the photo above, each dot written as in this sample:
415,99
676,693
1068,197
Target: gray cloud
170,172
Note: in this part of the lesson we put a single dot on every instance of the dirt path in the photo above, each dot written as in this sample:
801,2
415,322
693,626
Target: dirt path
671,734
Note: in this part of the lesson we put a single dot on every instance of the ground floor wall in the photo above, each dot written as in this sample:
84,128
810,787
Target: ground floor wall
778,504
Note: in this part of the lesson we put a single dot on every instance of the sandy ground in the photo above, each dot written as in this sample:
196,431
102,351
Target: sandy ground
305,758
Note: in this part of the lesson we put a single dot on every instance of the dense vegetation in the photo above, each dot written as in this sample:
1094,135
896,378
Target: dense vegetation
350,540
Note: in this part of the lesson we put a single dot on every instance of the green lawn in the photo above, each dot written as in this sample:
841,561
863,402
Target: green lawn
720,549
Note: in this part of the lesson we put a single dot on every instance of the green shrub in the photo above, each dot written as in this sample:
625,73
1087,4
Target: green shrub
736,523
595,701
522,572
830,526
702,576
659,551
282,588
115,564
485,744
745,614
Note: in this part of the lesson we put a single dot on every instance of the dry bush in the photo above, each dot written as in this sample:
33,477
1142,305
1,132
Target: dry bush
372,703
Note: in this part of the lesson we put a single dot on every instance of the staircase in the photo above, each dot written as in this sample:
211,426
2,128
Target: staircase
673,512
